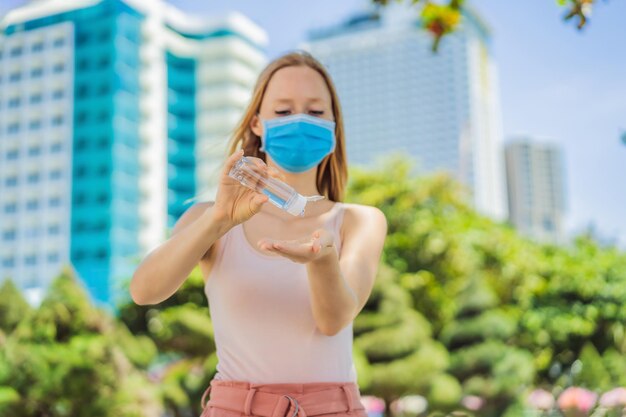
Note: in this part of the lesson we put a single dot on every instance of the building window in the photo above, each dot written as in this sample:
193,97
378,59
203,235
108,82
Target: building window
12,154
82,91
548,225
58,94
104,62
80,171
81,144
103,170
32,232
32,205
54,201
101,226
104,36
58,67
57,120
32,282
14,102
56,174
8,234
8,262
80,198
13,128
36,98
53,257
10,208
83,64
10,181
37,47
56,147
59,42
103,142
16,51
82,226
82,38
104,89
30,259
103,116
54,229
34,151
36,72
34,124
14,77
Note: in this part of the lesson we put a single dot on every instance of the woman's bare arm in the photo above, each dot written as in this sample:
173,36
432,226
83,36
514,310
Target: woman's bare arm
165,268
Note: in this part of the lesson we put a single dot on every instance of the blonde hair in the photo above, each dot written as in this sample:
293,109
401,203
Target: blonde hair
332,173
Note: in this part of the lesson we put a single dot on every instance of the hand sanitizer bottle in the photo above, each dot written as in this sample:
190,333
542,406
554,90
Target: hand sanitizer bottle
249,172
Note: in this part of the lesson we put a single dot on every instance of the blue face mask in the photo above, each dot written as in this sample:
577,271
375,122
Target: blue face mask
298,142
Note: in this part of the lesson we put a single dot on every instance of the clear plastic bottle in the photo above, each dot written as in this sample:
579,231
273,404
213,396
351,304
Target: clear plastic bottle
249,171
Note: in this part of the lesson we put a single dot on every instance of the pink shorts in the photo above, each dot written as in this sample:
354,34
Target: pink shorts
240,399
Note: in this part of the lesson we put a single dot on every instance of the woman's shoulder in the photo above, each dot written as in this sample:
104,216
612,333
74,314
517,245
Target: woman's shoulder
362,210
357,215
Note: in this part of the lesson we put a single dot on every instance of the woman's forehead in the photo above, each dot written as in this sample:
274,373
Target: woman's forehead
297,83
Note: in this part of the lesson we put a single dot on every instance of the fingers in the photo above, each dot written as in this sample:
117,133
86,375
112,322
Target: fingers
269,245
230,162
316,247
276,173
264,244
303,247
258,162
257,202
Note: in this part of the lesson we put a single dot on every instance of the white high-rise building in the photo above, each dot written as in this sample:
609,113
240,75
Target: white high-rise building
112,114
440,109
535,176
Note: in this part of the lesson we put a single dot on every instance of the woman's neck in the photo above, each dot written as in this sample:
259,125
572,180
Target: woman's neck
305,184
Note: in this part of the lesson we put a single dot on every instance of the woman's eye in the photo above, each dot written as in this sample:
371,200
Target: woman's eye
282,112
317,112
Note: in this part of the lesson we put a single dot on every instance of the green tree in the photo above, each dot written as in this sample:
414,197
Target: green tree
67,358
502,304
13,306
452,263
461,305
483,358
400,354
182,330
580,301
443,17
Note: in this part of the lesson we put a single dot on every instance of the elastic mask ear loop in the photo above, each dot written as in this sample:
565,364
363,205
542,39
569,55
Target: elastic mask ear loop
263,134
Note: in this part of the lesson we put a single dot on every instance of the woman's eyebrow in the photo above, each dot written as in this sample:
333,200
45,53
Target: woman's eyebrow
289,100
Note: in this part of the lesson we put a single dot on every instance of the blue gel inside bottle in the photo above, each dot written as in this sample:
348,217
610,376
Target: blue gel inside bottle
274,198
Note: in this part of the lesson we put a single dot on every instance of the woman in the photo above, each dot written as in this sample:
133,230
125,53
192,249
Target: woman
283,290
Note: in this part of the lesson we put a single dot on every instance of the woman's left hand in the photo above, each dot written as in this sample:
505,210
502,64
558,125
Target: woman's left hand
320,244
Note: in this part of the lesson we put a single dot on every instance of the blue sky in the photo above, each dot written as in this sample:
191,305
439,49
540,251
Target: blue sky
556,83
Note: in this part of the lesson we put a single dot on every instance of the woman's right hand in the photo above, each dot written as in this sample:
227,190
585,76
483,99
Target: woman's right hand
235,203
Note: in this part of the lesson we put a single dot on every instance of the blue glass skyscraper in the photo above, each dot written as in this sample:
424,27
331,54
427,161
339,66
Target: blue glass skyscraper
100,135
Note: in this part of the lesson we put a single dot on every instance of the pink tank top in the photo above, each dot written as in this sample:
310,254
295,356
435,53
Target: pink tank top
261,312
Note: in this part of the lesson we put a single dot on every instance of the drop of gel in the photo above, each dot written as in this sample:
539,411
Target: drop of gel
314,197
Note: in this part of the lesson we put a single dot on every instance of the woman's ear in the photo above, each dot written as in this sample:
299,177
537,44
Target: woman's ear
256,126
